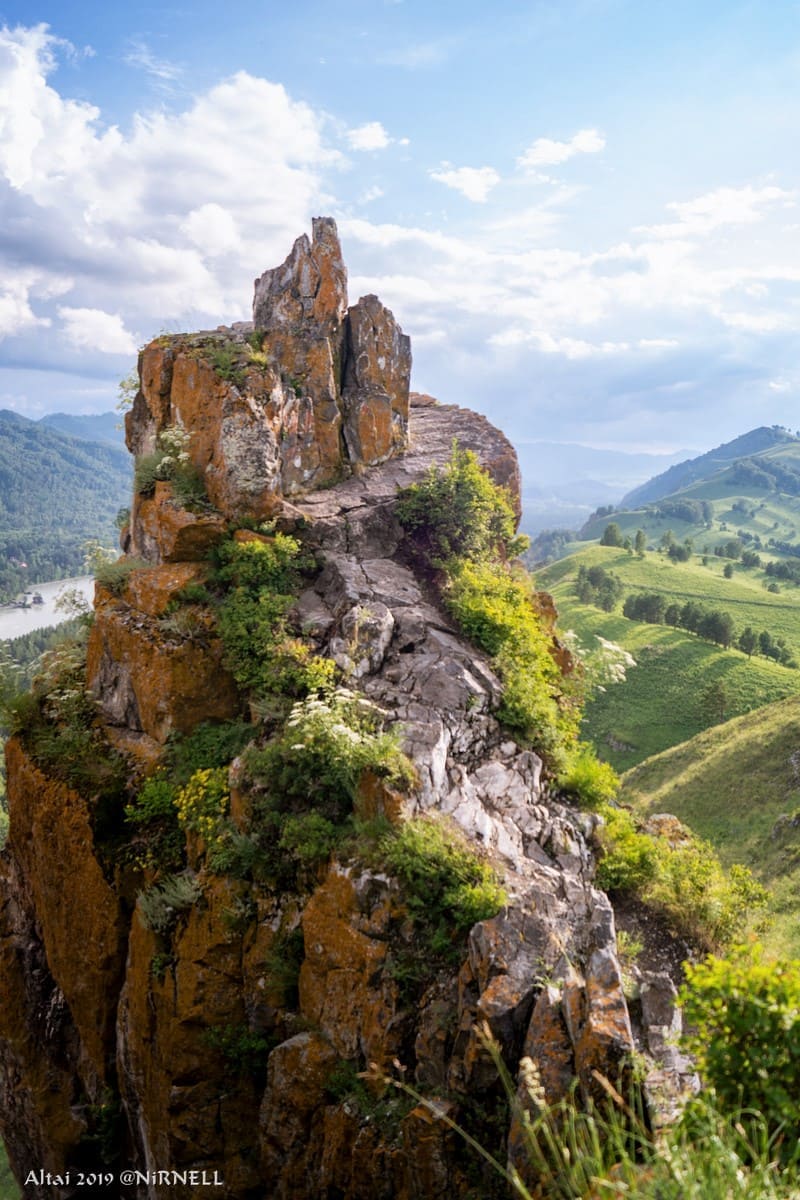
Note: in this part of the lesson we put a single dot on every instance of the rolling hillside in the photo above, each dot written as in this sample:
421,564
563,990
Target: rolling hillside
749,488
738,785
667,697
682,475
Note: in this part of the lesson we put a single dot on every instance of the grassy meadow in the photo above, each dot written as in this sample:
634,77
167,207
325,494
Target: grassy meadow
663,700
738,785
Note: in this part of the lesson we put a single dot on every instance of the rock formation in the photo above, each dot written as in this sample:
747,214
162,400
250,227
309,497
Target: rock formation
116,1042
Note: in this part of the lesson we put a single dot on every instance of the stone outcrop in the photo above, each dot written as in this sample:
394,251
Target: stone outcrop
218,1057
313,391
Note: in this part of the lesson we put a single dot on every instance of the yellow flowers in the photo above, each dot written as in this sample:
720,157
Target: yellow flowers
203,802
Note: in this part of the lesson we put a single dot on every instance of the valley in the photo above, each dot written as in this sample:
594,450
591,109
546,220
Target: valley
706,724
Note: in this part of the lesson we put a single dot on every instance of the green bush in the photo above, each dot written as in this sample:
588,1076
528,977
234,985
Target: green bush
710,907
325,748
458,511
589,780
202,803
630,858
245,1051
446,887
208,745
114,575
229,359
57,721
154,801
309,837
684,880
171,462
496,609
261,580
744,1017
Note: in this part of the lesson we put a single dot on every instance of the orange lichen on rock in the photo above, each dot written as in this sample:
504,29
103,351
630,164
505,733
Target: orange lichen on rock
146,682
81,916
342,986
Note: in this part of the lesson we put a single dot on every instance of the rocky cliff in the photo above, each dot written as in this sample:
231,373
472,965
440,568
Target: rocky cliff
177,998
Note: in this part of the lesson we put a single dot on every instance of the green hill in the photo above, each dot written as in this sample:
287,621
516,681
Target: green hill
681,684
738,785
55,493
682,475
747,489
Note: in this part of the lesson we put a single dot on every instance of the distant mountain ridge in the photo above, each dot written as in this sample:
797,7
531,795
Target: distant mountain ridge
104,427
684,474
56,492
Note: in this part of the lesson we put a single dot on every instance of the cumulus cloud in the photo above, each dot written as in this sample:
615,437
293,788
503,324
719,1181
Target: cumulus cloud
371,136
105,231
16,313
545,152
179,212
473,182
93,329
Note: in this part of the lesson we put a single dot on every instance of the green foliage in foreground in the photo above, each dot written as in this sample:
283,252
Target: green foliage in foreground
683,880
56,719
259,581
495,607
170,461
8,1185
567,1151
738,786
458,512
744,1017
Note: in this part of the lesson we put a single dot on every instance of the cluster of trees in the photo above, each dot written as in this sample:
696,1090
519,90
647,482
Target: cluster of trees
694,512
767,473
730,549
787,569
596,585
613,536
548,545
711,624
784,547
651,607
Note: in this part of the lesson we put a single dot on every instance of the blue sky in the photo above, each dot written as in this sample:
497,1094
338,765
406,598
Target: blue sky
586,213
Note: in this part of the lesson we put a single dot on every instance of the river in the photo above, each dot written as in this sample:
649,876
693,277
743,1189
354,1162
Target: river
16,621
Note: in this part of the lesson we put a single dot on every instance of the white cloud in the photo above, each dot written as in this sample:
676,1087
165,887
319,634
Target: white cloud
473,182
92,329
140,55
548,343
371,136
177,215
724,206
16,313
212,229
370,194
548,153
